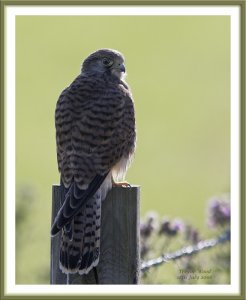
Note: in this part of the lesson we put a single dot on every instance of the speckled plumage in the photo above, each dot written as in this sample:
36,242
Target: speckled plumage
95,135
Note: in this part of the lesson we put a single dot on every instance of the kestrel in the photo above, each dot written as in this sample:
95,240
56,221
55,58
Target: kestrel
95,137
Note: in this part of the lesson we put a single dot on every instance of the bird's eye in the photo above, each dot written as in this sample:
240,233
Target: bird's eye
107,62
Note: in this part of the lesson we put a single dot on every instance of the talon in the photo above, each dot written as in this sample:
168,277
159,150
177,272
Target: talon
123,184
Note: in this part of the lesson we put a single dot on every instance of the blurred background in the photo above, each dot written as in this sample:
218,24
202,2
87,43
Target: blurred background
179,72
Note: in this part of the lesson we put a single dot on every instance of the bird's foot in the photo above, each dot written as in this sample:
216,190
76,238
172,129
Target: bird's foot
123,184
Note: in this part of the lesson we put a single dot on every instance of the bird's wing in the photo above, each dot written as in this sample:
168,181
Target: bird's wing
94,130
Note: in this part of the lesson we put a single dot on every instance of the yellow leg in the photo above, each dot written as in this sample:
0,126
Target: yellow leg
121,184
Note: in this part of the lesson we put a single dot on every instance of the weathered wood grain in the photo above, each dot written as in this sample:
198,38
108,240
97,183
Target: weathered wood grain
119,258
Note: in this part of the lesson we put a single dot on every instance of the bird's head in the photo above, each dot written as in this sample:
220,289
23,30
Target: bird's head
105,61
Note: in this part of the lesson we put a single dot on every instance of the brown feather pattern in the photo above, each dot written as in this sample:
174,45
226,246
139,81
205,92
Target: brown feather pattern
95,130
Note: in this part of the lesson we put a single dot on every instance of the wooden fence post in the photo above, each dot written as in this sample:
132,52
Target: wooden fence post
120,253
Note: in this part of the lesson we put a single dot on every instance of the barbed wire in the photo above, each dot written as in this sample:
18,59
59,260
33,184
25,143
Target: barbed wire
186,251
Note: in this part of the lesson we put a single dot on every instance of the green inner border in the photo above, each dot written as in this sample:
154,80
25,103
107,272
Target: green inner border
242,135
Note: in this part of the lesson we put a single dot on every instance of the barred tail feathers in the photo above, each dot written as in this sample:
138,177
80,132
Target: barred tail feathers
79,251
91,246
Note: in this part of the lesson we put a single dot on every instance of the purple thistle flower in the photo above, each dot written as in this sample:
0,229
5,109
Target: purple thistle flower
178,225
145,230
165,227
171,229
151,218
219,212
147,227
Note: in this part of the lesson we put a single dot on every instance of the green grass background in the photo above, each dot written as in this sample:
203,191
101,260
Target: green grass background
179,72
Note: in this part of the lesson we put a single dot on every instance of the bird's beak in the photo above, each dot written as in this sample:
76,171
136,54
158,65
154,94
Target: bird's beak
122,68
